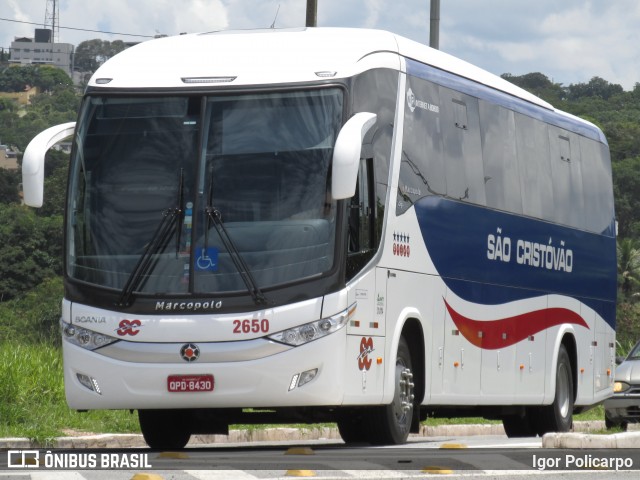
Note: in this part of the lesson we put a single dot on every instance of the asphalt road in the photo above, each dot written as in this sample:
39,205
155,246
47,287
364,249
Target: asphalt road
488,456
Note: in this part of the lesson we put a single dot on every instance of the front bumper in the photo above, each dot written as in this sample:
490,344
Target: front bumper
260,382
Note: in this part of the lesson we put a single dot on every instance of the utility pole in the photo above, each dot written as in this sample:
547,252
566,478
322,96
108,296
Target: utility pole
434,28
312,13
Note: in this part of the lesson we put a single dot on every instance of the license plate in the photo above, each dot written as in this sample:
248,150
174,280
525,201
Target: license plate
190,383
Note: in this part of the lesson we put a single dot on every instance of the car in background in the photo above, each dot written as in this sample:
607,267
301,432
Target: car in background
623,407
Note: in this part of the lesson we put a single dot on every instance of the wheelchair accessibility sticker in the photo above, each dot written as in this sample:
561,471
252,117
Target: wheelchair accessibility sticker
207,259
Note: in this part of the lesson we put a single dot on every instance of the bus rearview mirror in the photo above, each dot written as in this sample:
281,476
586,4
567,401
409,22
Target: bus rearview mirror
346,154
33,161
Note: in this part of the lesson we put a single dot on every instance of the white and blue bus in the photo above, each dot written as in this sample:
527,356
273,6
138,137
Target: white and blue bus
330,225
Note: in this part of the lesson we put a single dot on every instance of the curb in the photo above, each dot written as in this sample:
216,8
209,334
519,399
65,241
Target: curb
587,441
579,438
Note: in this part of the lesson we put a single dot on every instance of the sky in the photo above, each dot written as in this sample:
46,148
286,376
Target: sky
570,41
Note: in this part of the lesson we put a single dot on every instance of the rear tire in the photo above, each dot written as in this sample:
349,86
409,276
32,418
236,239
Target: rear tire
558,417
165,429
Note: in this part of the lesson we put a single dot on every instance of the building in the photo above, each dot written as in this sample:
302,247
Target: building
8,158
22,98
41,50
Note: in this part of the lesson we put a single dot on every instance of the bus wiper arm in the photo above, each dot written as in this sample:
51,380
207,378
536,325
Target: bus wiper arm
159,241
241,266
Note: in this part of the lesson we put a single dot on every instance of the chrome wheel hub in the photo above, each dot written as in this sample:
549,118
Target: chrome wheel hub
403,401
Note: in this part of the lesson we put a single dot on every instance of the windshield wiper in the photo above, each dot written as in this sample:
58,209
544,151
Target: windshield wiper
214,216
159,241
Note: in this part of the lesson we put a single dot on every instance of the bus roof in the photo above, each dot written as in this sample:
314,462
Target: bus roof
278,56
248,57
253,57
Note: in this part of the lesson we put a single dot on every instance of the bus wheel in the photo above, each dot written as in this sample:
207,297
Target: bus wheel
393,422
165,429
558,417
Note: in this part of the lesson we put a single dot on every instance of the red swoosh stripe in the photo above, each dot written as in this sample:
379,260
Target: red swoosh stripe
494,334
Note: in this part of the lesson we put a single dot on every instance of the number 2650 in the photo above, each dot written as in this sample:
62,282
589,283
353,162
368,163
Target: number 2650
251,326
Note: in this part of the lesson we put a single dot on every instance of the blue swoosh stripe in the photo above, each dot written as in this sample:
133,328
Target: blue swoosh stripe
456,237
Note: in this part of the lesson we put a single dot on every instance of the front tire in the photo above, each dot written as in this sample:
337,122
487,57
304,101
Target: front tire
395,419
165,429
388,424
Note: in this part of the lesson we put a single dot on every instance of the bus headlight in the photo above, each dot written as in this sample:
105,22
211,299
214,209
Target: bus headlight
85,338
314,330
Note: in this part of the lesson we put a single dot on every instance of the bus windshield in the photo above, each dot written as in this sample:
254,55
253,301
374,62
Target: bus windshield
149,172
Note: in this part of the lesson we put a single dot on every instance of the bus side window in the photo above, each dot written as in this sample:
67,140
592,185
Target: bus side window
361,221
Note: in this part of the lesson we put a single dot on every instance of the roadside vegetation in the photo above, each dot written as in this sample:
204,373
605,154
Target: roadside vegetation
32,402
32,399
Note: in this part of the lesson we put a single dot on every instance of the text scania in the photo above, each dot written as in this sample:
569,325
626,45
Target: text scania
533,254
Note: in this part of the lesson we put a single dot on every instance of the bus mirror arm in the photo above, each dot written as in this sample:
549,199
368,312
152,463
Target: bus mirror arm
346,154
33,161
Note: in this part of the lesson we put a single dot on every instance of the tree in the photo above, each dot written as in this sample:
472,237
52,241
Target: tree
86,55
8,117
529,81
626,189
114,48
46,109
90,54
597,87
15,78
624,138
9,181
538,84
46,77
627,325
56,167
8,105
62,99
30,249
628,252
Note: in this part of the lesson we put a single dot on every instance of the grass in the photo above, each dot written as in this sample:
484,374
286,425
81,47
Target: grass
32,400
435,422
596,413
